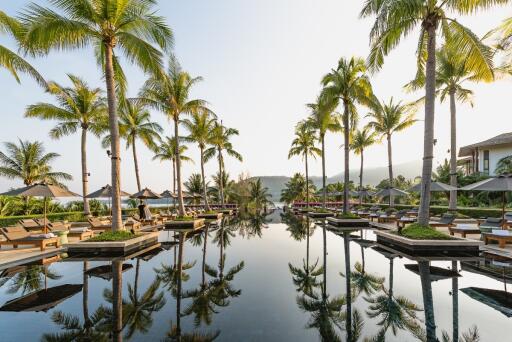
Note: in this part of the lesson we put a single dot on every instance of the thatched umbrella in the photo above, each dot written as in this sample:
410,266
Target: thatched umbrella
146,194
42,190
168,194
106,192
501,183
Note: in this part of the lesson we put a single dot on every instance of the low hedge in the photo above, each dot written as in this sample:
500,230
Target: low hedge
74,216
439,210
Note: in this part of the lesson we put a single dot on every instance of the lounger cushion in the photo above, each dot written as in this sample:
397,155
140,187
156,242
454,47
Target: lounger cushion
79,230
42,236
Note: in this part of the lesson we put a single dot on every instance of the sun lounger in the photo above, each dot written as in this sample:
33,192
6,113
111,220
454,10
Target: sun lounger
81,233
502,236
32,225
445,221
17,235
463,230
98,224
508,219
491,223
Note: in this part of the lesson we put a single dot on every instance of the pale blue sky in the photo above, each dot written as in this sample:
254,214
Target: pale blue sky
261,62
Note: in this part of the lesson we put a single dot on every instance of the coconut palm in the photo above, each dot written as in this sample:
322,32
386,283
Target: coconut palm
220,141
295,189
453,70
170,94
322,120
305,277
28,162
108,25
395,312
135,124
304,145
199,127
138,309
258,194
194,184
395,20
387,119
9,59
79,108
361,140
348,85
33,278
166,151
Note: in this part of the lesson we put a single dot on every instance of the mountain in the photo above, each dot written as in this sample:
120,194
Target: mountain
372,176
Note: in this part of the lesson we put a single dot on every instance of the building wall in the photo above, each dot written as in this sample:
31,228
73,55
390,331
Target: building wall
495,154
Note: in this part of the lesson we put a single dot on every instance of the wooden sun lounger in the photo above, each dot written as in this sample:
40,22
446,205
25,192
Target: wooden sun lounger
32,225
17,235
97,224
463,231
80,233
501,239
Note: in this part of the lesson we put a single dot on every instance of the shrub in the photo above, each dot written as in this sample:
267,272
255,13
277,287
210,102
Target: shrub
347,216
120,235
416,231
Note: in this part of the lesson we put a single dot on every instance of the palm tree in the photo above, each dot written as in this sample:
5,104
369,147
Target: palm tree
258,194
322,120
349,85
170,93
28,162
386,119
396,312
167,151
360,141
135,123
9,59
304,145
194,184
295,189
220,141
452,71
32,279
394,21
108,25
79,107
200,126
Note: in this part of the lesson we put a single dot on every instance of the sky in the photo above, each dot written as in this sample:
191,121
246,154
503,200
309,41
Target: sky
261,61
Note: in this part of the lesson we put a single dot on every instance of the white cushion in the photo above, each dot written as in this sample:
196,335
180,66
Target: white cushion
501,232
43,236
79,230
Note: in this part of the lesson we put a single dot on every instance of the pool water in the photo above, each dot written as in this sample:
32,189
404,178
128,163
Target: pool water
258,279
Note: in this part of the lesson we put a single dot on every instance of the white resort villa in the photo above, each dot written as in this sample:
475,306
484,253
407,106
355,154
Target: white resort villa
484,156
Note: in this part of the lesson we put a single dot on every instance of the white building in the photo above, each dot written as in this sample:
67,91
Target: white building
485,155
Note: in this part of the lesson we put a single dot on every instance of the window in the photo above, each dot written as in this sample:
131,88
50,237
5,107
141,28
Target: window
486,162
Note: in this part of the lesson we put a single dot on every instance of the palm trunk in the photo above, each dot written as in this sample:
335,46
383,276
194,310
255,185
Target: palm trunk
428,304
307,180
117,302
324,190
391,271
174,176
428,142
324,289
453,152
136,164
85,293
221,180
181,205
117,223
85,175
347,156
361,178
203,266
178,295
307,245
136,279
390,170
346,242
455,304
205,193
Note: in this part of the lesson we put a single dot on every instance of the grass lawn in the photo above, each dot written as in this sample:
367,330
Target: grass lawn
121,235
418,232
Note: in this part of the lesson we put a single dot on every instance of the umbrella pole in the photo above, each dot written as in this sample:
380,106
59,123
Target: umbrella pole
44,215
503,208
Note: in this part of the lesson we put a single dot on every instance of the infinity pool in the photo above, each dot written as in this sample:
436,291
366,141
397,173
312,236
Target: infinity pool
258,279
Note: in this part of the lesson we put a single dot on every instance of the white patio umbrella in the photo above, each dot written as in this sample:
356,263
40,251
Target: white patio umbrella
434,187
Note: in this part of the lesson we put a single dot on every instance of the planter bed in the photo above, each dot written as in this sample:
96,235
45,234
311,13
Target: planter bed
114,247
453,246
211,216
348,223
185,225
318,215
